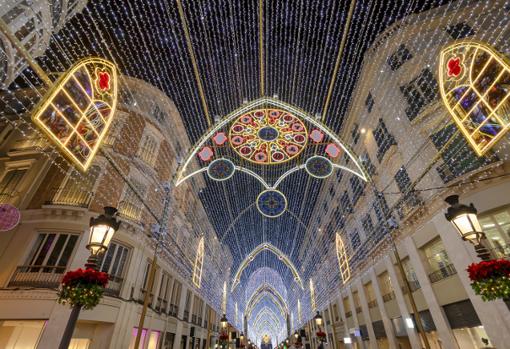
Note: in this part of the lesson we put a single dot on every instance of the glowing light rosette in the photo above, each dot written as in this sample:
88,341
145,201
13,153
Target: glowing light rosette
78,110
475,87
268,136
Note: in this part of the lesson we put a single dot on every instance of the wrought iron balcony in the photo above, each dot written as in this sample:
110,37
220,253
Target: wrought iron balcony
130,211
70,196
442,273
37,276
372,304
173,310
114,286
388,296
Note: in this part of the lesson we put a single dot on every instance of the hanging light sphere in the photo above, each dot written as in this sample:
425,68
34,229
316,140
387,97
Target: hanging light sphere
318,319
464,219
101,231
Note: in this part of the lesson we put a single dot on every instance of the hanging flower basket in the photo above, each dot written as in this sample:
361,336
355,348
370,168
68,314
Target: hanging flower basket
223,338
321,335
491,279
82,287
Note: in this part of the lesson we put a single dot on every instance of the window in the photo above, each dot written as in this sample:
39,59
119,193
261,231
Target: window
399,57
51,251
381,208
21,333
77,192
158,114
355,133
339,217
355,240
176,297
345,202
114,261
369,102
368,225
411,198
369,166
384,139
420,92
343,259
357,187
438,260
164,291
458,157
9,186
199,263
496,225
459,30
148,150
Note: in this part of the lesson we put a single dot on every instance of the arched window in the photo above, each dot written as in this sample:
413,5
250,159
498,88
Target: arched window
199,262
343,259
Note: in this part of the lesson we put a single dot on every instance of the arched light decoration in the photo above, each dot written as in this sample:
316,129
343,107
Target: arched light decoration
300,317
260,297
343,259
199,264
78,110
229,121
473,81
312,296
251,256
262,291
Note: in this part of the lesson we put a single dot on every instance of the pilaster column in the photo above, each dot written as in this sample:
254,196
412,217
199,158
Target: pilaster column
388,326
443,327
344,319
355,317
366,315
401,302
494,315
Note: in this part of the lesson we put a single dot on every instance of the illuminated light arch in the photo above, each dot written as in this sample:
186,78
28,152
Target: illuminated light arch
78,124
259,297
266,246
481,111
261,292
199,264
181,176
343,259
266,311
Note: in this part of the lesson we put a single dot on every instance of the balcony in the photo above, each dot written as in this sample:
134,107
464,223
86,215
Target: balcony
413,285
130,211
37,276
70,197
185,317
173,310
358,310
372,304
114,286
348,314
442,273
388,296
193,319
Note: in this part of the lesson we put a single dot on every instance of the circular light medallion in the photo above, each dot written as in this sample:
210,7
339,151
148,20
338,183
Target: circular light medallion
268,136
319,167
271,203
221,169
9,217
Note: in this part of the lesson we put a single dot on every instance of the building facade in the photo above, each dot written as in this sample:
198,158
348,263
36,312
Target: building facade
405,137
56,203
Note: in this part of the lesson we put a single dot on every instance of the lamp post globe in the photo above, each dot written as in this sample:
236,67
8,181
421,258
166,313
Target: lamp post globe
101,231
465,220
318,319
224,321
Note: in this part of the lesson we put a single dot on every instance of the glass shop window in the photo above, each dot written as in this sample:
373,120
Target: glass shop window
399,57
419,92
460,30
496,225
51,252
9,186
384,139
21,333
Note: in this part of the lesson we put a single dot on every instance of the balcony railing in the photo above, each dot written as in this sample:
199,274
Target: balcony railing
70,197
173,310
130,211
114,286
37,276
358,310
348,314
413,285
442,273
372,304
388,296
186,315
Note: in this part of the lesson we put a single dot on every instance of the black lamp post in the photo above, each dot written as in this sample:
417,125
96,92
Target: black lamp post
465,219
101,232
318,319
296,335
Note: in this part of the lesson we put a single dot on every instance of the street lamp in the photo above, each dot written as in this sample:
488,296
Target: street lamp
224,321
465,219
318,319
101,230
296,335
241,337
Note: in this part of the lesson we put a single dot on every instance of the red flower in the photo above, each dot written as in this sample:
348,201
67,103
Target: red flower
104,81
489,269
87,276
321,334
454,67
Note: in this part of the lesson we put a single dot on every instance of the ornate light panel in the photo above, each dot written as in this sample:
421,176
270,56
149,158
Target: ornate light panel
78,110
343,259
475,87
268,136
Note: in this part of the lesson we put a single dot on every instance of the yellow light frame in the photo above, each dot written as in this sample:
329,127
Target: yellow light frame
467,51
343,259
199,264
91,65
